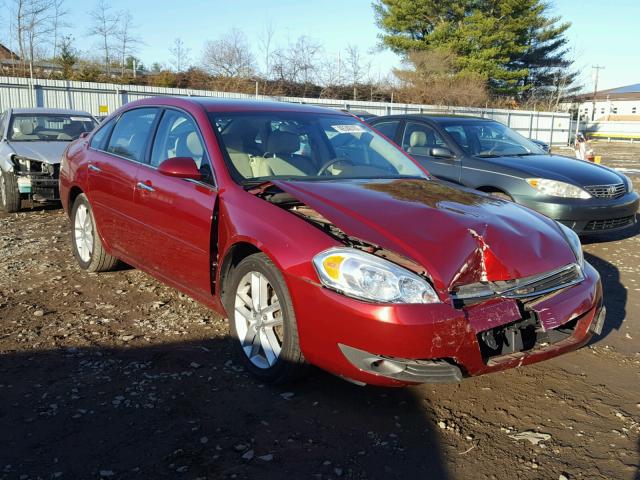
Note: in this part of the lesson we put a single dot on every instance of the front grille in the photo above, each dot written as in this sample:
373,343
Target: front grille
520,288
607,191
610,224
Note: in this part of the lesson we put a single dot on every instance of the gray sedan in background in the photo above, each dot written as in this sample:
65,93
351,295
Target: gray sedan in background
31,145
490,157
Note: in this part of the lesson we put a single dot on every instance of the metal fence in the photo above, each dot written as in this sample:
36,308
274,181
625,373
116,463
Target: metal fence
613,130
102,98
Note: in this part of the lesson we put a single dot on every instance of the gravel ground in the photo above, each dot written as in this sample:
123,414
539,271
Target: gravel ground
117,376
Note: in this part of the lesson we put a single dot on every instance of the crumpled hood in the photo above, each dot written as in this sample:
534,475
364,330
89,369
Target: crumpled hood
556,167
49,152
458,236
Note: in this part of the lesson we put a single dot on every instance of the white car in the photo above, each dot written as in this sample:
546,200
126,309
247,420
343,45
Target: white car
32,142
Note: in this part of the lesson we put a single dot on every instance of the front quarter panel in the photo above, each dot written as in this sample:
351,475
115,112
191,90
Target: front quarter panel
5,156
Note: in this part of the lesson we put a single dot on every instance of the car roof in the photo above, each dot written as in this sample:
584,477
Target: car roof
48,111
437,117
210,104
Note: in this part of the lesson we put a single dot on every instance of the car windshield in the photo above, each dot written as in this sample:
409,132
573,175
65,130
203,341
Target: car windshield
280,145
48,127
490,139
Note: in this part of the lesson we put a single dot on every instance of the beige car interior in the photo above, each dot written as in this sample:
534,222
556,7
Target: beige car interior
277,160
23,130
418,144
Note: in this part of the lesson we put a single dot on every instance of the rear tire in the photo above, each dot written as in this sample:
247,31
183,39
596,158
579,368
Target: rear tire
87,246
262,321
9,192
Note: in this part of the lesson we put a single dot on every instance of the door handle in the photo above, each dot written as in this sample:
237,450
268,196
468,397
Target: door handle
93,168
145,187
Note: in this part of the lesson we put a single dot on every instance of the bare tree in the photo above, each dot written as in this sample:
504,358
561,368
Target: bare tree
57,23
33,20
229,56
265,44
180,55
127,40
356,68
298,62
104,25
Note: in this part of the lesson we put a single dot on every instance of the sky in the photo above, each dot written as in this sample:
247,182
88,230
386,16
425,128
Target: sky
602,33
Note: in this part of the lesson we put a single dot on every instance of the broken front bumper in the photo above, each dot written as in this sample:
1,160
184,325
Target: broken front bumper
403,344
37,180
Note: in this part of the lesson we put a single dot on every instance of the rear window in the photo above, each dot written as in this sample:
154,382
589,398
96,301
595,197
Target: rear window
48,127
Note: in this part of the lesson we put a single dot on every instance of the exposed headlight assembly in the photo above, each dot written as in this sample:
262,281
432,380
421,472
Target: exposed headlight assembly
555,188
364,276
574,242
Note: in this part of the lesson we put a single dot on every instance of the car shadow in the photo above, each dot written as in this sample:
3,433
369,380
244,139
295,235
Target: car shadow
189,409
615,296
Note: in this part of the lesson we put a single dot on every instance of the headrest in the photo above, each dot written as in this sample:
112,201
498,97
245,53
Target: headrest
25,127
283,142
194,144
418,139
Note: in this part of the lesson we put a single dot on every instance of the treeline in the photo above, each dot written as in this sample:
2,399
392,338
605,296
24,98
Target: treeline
455,52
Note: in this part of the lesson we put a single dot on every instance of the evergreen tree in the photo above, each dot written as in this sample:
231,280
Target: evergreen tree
512,44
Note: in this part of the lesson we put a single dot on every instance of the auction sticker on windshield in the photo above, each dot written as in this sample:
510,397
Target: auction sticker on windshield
353,128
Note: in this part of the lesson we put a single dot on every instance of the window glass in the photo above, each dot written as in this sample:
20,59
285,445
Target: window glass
131,133
419,139
483,138
48,127
100,137
388,129
177,137
307,147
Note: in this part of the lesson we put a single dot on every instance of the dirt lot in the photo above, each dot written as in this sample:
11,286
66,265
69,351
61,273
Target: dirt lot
116,376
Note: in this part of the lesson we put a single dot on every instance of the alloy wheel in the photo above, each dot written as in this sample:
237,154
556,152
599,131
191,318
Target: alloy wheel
258,320
83,232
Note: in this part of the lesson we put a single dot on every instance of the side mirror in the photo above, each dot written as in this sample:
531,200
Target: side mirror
442,152
84,135
180,167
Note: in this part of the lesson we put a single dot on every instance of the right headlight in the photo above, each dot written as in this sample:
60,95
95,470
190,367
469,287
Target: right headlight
574,242
555,188
629,183
361,275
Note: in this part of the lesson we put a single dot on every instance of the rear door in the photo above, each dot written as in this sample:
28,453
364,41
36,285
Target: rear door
419,140
175,215
116,152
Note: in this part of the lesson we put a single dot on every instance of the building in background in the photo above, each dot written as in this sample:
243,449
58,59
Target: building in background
616,104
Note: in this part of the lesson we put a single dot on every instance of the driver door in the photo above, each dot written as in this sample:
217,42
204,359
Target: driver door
419,140
176,214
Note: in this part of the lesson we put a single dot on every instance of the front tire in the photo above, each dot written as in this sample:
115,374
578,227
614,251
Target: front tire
87,246
9,192
262,321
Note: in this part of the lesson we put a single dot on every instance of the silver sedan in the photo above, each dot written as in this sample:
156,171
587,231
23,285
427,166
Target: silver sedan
32,142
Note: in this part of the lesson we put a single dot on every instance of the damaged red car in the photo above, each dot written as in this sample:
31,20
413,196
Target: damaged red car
324,244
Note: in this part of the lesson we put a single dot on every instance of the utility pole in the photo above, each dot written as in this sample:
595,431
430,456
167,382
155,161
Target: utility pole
596,69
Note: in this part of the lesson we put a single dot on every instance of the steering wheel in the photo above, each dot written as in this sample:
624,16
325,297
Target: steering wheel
333,161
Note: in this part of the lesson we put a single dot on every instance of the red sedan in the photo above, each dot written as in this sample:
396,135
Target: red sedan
325,244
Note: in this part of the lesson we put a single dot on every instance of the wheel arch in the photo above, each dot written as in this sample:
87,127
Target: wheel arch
233,255
74,192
